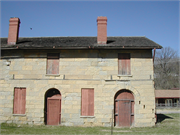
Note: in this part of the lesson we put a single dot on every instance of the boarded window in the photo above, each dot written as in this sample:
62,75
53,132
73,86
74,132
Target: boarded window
87,102
52,63
124,66
19,100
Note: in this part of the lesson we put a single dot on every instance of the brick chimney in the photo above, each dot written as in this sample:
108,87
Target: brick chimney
102,30
13,31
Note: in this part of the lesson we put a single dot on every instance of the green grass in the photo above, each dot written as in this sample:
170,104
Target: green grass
168,124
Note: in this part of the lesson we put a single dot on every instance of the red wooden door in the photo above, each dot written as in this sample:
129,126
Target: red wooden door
124,108
124,115
54,110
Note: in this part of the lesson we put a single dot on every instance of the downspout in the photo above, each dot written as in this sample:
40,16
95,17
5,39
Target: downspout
154,55
154,89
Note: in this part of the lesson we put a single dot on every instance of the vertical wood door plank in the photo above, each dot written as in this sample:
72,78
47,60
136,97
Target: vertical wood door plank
84,102
23,109
91,102
15,109
53,114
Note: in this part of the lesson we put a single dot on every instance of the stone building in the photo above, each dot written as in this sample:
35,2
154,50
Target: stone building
90,81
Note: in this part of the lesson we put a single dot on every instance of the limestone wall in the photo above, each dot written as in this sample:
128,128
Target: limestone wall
78,69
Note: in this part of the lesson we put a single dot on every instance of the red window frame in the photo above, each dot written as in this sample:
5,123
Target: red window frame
52,64
19,100
124,64
87,102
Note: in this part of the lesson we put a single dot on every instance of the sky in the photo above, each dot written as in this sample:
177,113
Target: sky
157,20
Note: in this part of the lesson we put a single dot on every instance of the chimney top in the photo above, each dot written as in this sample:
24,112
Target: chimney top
102,18
14,19
13,30
102,30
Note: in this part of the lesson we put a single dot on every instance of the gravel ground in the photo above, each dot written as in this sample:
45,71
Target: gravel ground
166,111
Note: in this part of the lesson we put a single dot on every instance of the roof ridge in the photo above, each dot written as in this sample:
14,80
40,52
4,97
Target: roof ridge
126,36
79,36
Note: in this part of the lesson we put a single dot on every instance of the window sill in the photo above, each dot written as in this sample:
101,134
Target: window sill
53,75
19,114
87,116
124,75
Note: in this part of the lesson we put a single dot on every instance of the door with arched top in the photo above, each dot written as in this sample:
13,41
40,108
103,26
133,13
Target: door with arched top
54,110
123,108
52,107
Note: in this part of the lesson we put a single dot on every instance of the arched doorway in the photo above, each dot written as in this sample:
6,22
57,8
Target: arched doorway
123,108
52,107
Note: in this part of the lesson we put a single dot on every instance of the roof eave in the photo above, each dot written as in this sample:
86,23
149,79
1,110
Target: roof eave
86,47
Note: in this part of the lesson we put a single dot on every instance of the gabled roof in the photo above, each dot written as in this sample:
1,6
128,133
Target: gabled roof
80,43
167,93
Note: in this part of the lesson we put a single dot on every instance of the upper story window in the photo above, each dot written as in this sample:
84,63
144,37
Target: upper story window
124,64
52,63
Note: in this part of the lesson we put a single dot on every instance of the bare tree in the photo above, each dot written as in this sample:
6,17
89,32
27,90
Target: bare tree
166,69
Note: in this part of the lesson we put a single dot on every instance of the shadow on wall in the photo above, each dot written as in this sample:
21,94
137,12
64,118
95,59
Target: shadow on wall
161,117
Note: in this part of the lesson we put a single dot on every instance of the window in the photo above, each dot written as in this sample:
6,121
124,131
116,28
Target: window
87,102
124,66
52,63
19,101
168,102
